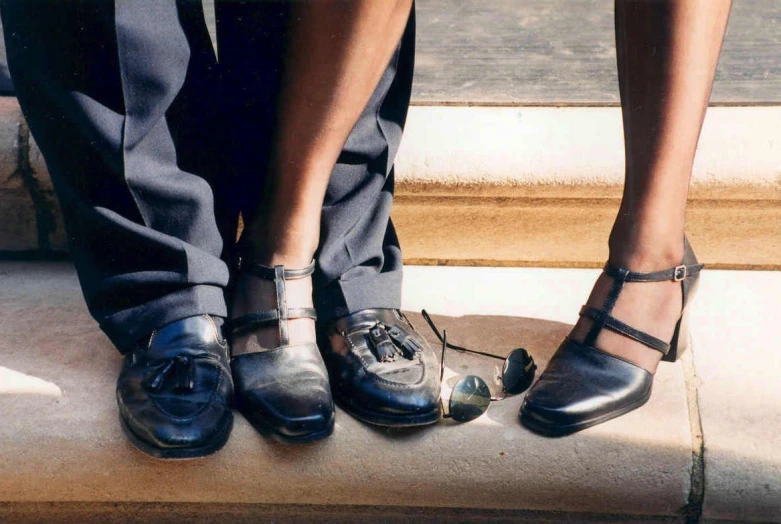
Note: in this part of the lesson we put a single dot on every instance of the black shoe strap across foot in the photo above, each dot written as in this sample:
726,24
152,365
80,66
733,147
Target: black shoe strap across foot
279,316
602,318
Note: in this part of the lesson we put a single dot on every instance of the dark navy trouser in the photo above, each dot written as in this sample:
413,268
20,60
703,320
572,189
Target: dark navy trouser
154,148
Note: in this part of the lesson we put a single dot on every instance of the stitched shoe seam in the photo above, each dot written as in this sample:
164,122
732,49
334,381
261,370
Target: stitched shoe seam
221,341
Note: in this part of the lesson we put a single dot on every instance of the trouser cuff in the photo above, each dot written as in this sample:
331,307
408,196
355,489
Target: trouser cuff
127,327
344,297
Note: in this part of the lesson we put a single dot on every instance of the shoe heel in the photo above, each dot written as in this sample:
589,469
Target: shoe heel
681,339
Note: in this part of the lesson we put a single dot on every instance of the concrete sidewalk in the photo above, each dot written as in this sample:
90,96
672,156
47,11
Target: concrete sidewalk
557,52
702,448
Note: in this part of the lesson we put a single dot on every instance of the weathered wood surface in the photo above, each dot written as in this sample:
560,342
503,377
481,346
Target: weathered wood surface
563,52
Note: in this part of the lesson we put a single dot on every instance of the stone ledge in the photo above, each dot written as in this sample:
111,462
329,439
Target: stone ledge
576,146
735,325
61,440
195,513
569,227
63,452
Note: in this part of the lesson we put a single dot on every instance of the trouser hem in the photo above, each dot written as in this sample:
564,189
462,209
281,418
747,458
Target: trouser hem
125,330
344,297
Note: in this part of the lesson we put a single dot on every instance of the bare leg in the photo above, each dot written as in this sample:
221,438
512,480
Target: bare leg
667,56
337,52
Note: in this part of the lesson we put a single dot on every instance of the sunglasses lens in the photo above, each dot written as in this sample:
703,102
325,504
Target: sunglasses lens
470,399
518,371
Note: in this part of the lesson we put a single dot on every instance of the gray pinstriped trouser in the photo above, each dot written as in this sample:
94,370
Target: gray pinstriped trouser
155,147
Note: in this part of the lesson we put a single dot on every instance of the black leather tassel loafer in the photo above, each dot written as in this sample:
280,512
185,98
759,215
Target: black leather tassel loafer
583,386
382,371
282,391
175,389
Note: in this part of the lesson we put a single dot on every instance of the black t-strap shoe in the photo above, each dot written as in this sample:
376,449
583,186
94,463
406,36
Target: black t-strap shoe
583,386
283,391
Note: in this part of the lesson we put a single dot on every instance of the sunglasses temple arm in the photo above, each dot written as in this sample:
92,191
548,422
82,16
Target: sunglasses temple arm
445,413
445,343
442,359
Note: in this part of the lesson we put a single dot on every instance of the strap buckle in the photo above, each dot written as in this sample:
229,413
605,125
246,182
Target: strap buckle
679,273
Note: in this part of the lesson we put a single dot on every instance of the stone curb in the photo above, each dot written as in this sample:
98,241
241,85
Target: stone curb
62,442
30,220
577,146
197,513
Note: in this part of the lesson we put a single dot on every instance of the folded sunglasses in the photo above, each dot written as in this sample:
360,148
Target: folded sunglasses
471,396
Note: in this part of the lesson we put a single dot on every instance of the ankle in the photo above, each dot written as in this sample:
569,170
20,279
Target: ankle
293,254
290,260
643,251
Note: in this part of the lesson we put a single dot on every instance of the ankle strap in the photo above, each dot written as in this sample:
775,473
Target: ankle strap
246,264
675,274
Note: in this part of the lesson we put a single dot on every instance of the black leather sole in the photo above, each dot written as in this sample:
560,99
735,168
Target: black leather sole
529,421
178,453
384,419
264,429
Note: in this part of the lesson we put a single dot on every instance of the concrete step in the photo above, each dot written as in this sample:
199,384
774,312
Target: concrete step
702,446
541,186
502,186
568,227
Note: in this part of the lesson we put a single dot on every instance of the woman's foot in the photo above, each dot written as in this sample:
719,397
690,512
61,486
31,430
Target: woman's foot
605,367
252,294
281,382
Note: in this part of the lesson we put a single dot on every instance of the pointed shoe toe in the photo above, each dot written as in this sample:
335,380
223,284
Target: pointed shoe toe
583,387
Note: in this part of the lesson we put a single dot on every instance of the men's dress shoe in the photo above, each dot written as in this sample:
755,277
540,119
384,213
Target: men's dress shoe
175,389
382,371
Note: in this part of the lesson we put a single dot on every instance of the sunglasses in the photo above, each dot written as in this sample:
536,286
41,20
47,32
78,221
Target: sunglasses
471,396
